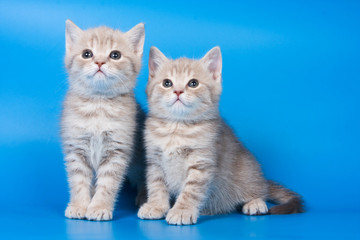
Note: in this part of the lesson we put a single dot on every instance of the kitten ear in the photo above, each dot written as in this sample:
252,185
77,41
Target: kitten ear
136,35
72,34
156,58
213,62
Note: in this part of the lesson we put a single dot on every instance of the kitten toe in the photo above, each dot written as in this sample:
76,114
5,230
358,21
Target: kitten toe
152,211
98,214
75,212
181,216
255,207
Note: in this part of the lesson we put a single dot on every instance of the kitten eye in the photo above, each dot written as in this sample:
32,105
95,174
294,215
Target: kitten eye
167,83
193,83
87,53
116,55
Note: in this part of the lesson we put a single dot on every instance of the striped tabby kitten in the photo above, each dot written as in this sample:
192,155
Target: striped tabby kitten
193,156
99,120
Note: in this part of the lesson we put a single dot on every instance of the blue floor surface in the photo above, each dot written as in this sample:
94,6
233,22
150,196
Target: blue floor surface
46,223
34,196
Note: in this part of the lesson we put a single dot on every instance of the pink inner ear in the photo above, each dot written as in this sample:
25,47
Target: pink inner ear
214,63
152,67
213,66
156,58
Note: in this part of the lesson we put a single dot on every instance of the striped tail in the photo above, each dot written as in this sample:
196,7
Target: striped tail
288,201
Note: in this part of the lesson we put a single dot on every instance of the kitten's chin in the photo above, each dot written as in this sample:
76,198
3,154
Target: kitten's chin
185,113
179,113
99,76
99,88
102,85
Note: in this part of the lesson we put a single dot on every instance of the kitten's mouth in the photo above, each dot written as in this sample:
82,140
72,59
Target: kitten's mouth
178,100
99,72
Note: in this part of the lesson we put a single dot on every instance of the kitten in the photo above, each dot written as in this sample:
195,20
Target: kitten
99,119
193,155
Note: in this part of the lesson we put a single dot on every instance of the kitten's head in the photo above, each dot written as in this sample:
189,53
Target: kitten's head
102,61
184,89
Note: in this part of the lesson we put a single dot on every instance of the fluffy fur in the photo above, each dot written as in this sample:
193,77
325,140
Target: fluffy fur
101,119
193,156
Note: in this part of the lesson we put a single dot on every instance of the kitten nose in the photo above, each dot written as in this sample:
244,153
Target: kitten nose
99,64
178,92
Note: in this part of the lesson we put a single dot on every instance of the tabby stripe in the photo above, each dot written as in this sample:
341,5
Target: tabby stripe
198,167
196,183
191,196
78,171
76,158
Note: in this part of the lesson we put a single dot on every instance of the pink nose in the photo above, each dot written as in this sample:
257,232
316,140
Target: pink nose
99,64
178,92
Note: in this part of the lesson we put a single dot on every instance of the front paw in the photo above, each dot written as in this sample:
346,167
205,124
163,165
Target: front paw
75,211
177,216
99,213
152,211
255,207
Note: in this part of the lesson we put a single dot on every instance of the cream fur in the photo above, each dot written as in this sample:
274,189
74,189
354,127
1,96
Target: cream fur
99,119
192,154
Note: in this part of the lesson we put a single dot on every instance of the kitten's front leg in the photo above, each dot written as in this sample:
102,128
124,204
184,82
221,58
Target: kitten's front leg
186,208
158,197
80,177
109,177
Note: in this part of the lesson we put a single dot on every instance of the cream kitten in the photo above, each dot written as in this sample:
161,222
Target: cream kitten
193,155
99,120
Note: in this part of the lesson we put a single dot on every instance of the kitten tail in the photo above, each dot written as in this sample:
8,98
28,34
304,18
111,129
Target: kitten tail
289,201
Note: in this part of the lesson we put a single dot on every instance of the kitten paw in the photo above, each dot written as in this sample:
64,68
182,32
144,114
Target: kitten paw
75,212
181,216
152,211
98,214
255,207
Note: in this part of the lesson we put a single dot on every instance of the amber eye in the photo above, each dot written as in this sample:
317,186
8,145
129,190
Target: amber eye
193,83
116,55
87,53
167,83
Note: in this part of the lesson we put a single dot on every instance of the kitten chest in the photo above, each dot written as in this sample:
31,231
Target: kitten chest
101,124
176,142
175,169
96,149
175,161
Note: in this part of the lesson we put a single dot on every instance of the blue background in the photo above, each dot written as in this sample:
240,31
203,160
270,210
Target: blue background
291,73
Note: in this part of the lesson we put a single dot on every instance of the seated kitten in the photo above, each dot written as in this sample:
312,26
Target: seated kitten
99,124
193,155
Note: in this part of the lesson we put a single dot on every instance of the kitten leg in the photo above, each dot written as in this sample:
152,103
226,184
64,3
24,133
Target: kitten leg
255,207
187,206
109,176
80,180
158,197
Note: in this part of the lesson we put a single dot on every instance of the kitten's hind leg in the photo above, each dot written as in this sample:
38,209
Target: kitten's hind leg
80,180
255,207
